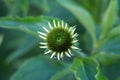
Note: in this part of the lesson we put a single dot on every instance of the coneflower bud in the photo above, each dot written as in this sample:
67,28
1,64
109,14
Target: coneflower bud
59,40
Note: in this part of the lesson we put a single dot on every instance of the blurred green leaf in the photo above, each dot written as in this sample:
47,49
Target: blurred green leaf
86,69
24,47
111,46
110,17
96,10
106,58
114,33
112,71
66,74
17,7
13,38
40,4
118,78
37,68
3,8
28,24
1,39
82,15
24,6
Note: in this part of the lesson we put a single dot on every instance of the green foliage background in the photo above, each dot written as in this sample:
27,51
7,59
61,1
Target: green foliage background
98,26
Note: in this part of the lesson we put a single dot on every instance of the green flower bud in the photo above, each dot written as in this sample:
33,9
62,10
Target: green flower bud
59,40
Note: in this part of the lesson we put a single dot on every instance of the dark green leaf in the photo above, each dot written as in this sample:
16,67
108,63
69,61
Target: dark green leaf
81,69
86,69
23,48
17,7
112,71
112,46
40,4
64,75
106,58
37,68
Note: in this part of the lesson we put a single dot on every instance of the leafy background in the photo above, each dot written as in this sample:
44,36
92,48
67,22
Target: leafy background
98,26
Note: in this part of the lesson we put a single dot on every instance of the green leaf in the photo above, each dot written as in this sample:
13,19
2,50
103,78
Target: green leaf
114,33
17,7
118,78
29,25
109,17
3,8
1,39
112,46
86,69
66,74
24,47
112,71
37,68
81,69
24,6
106,58
82,15
41,4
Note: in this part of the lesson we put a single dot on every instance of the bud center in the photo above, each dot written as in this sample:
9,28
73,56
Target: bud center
59,40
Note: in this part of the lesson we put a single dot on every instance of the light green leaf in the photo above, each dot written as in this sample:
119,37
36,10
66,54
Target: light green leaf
29,25
114,33
24,6
109,17
37,68
82,15
86,69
